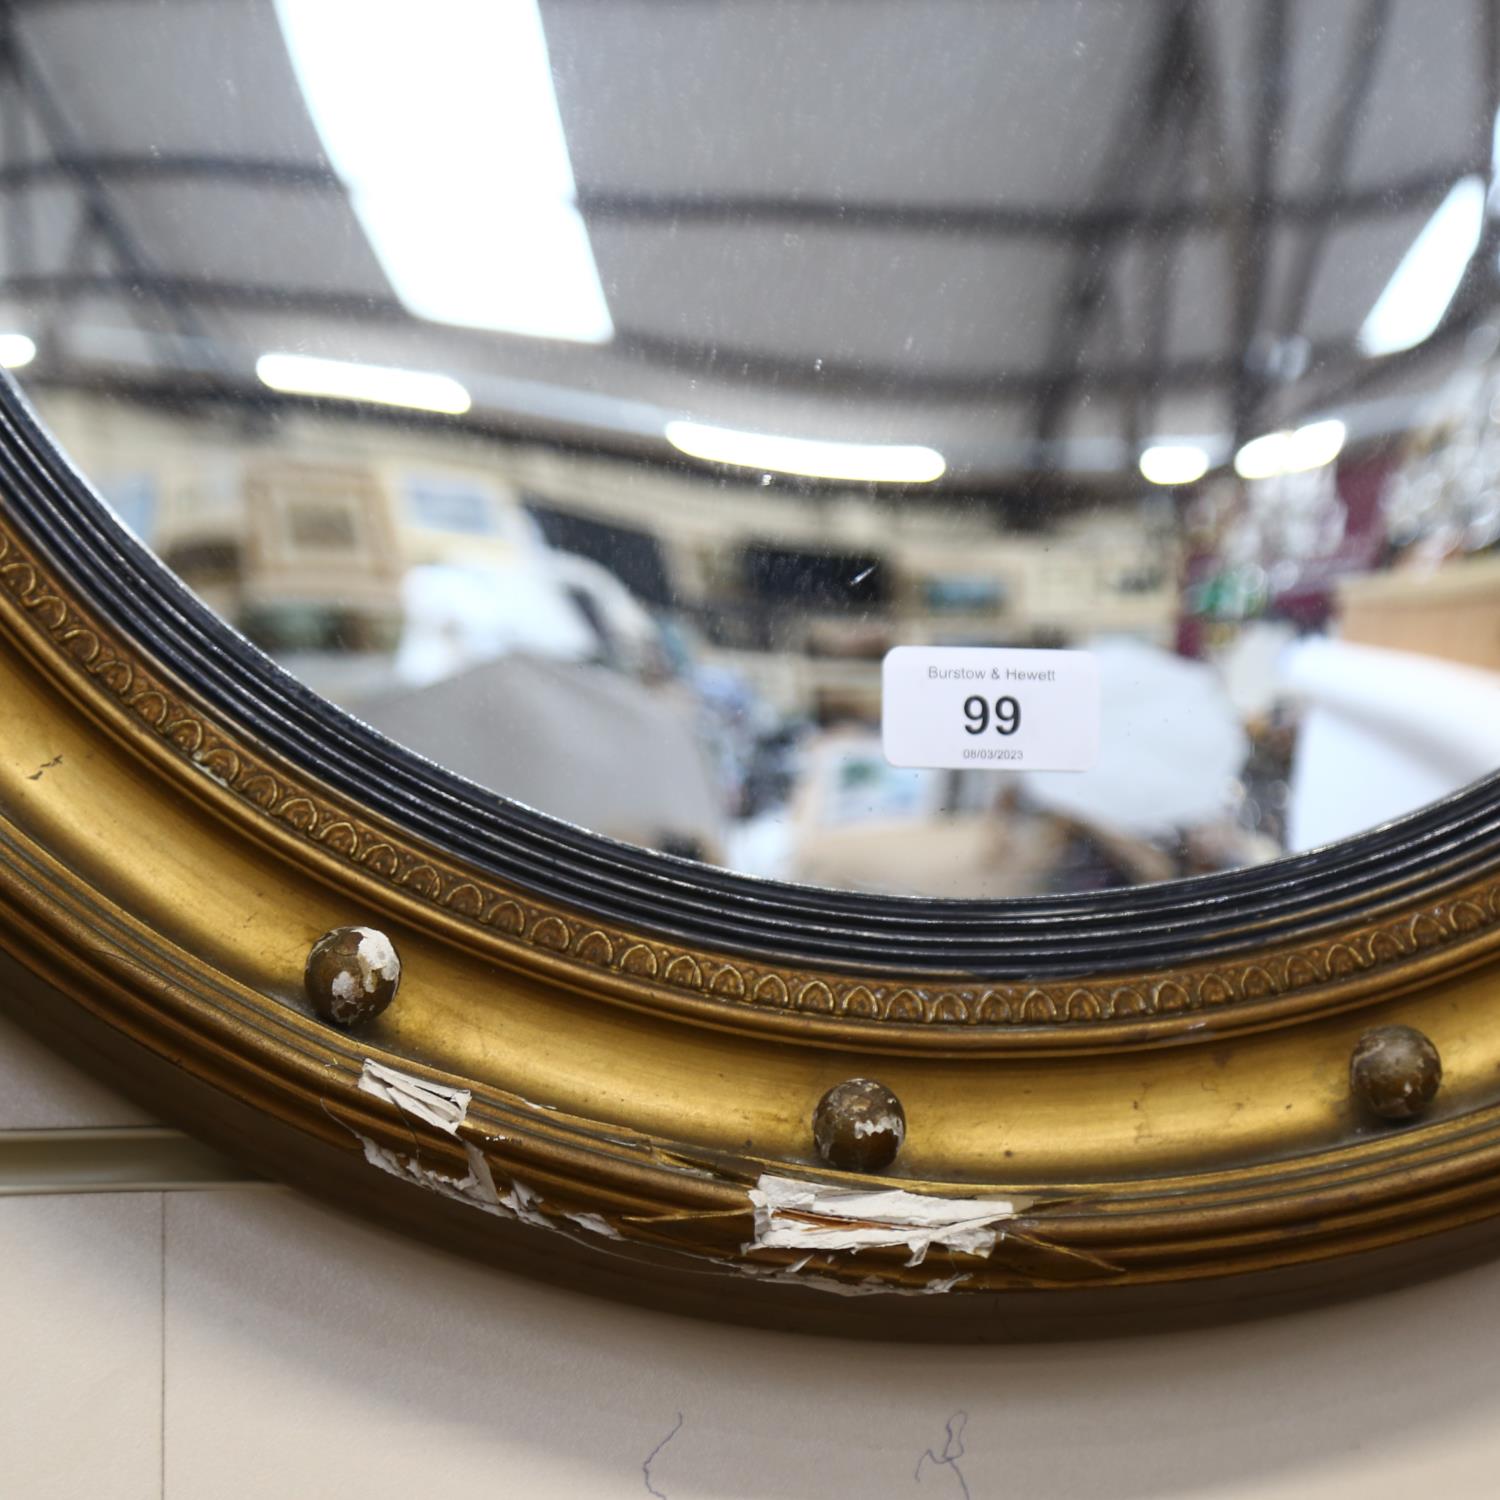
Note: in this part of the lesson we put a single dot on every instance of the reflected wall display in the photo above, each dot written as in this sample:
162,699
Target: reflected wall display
573,452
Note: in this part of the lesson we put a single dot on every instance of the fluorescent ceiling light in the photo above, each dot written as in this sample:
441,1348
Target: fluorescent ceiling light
440,117
1295,452
1416,297
303,375
883,463
16,350
1174,463
1316,444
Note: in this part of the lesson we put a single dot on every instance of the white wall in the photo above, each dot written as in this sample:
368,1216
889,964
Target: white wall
246,1342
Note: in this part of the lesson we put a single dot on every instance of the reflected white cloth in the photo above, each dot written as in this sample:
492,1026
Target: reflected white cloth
1170,746
1383,733
458,616
582,742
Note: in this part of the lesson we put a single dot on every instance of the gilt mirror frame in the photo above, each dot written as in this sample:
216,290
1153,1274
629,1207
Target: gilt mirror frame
1148,1088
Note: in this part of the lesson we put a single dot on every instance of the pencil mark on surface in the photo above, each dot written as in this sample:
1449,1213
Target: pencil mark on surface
651,1457
953,1450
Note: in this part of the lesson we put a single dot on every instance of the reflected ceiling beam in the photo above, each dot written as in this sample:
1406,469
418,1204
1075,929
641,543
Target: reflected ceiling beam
211,292
1250,252
27,7
1135,143
1483,265
1114,331
15,142
56,303
1344,379
869,378
100,218
1367,37
1389,199
1177,170
188,166
1478,292
828,375
1222,171
1400,195
1487,17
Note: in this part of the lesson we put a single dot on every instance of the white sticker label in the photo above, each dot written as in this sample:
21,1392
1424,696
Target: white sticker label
968,707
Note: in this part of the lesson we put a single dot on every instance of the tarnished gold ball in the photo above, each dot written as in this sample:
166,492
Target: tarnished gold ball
351,975
1395,1072
859,1126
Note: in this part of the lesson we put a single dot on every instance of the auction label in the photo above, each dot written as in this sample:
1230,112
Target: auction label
962,707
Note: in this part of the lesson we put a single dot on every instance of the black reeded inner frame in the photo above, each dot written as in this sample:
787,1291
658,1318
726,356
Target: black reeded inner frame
1145,927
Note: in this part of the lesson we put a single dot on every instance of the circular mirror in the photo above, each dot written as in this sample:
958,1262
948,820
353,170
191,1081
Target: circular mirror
945,449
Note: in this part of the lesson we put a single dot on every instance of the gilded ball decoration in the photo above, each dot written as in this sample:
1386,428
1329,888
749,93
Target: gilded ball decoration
352,974
1395,1071
859,1126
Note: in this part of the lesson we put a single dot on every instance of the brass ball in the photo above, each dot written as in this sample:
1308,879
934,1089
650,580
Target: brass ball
1395,1071
352,974
859,1126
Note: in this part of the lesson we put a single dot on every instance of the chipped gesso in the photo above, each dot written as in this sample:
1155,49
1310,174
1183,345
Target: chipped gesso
435,1103
786,1207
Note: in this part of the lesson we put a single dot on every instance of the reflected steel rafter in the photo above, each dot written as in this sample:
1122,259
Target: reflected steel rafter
1250,251
630,207
862,377
1479,288
1366,47
1137,142
99,218
1182,123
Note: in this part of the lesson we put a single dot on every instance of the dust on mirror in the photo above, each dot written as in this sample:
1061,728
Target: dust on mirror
592,396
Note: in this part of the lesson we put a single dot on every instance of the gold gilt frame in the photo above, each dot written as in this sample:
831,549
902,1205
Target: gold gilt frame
597,1100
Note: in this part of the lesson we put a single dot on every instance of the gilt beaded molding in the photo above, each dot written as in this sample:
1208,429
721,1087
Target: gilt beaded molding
1455,929
162,886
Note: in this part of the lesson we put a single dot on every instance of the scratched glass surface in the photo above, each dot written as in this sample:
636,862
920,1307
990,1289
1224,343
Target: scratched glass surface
590,396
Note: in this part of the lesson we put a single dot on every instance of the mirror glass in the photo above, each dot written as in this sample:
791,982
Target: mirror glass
590,396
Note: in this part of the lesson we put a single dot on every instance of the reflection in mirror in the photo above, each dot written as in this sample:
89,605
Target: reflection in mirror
590,396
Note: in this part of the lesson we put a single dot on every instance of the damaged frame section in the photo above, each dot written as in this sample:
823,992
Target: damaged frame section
446,1108
789,1214
478,1189
811,1216
439,1105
